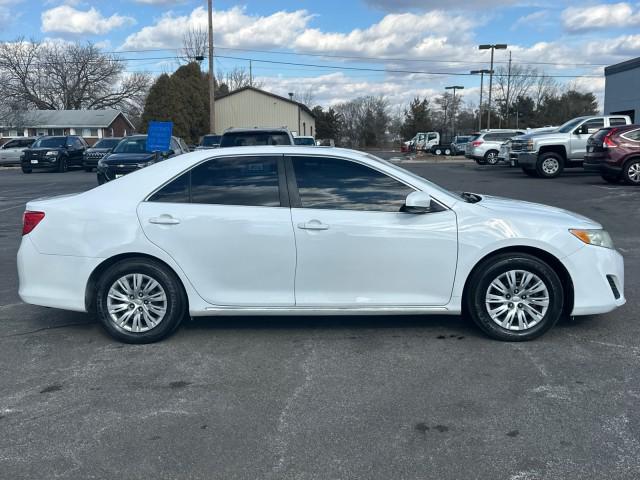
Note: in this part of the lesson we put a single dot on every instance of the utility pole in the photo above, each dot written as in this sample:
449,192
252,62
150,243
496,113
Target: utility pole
481,72
508,88
497,46
212,93
453,107
250,73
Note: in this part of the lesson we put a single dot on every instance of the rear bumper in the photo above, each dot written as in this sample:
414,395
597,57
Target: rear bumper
593,270
57,281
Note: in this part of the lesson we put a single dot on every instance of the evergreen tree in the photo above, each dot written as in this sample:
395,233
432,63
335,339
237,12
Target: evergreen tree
416,118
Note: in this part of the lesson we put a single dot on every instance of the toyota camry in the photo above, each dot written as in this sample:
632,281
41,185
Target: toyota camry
285,230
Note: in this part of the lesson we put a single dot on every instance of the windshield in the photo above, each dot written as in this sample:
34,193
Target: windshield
304,141
570,125
132,145
50,142
107,143
210,140
249,139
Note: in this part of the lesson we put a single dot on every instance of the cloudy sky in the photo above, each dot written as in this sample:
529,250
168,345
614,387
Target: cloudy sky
343,49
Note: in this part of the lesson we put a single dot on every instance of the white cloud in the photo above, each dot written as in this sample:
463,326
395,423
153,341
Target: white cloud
613,15
399,5
67,19
160,2
233,28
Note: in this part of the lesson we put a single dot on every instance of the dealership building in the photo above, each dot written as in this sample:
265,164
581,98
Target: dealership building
622,89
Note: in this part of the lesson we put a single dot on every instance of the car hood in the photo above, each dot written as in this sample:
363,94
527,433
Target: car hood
48,149
519,210
129,157
538,135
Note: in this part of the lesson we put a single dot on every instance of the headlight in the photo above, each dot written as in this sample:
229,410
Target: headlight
145,164
599,238
101,163
52,153
530,145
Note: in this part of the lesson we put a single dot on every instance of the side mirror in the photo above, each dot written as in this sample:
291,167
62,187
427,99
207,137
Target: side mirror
581,130
417,202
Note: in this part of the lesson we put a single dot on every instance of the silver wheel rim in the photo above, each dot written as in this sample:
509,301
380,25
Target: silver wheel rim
136,303
517,300
550,166
634,172
491,158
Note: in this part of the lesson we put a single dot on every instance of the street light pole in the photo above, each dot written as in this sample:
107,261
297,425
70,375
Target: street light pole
481,72
497,46
212,93
453,107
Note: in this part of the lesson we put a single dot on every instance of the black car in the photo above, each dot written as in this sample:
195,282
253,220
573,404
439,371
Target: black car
209,141
54,153
93,154
250,137
131,154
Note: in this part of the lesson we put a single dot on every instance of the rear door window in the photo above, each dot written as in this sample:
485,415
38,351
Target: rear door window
617,121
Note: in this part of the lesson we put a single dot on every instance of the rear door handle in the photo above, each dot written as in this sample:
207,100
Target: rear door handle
164,220
313,225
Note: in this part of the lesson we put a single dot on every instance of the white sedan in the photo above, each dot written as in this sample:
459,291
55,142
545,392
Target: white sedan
288,230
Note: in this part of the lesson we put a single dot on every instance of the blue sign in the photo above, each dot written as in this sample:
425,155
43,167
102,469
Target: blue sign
159,136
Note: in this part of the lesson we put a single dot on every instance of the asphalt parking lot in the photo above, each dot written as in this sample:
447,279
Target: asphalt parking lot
325,398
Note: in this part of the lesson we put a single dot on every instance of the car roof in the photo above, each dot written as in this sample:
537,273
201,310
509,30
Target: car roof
256,129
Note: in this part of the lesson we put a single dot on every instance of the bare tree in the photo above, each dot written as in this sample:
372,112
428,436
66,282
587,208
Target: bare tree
511,85
65,76
238,77
194,44
306,97
544,88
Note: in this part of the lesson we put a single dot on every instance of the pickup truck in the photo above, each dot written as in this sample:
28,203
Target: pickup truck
547,154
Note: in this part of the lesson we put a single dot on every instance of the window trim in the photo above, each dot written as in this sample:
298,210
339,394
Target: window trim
294,193
282,182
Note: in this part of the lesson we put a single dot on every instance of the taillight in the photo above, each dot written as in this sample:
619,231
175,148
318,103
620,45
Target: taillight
607,142
30,220
476,143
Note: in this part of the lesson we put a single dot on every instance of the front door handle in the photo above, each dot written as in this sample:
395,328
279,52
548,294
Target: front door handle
164,220
313,225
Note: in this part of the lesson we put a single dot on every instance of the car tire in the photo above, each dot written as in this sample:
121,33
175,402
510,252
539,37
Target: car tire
610,178
437,151
480,161
491,157
631,172
549,165
447,151
62,165
148,289
531,172
26,170
496,312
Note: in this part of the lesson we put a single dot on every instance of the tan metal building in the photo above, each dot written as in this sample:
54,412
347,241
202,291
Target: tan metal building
250,107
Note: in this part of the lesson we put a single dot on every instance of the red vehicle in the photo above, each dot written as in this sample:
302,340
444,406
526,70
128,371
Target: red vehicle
614,152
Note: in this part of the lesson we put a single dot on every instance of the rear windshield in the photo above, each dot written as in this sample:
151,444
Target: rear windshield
107,143
304,141
473,137
249,139
50,142
210,140
132,145
600,134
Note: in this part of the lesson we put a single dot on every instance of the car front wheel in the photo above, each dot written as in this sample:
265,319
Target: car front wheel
550,165
139,301
515,297
631,172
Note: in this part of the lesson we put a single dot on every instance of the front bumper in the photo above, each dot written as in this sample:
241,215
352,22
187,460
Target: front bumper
592,270
525,159
44,162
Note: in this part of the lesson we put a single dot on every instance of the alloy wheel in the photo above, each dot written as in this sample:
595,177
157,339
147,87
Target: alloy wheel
550,166
517,300
136,303
633,172
492,158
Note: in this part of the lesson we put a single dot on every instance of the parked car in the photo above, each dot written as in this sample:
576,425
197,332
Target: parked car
94,153
131,154
209,141
11,151
57,153
459,144
304,140
299,230
504,154
547,154
614,152
484,147
250,137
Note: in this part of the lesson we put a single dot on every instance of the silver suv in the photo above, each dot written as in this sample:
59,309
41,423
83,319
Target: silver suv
484,147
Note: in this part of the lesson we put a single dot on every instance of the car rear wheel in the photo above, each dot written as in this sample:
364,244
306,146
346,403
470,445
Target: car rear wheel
26,169
550,165
515,297
139,301
491,157
631,172
437,151
447,151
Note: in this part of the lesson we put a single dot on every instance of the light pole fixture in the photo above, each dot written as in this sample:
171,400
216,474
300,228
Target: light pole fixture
481,72
453,107
496,46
